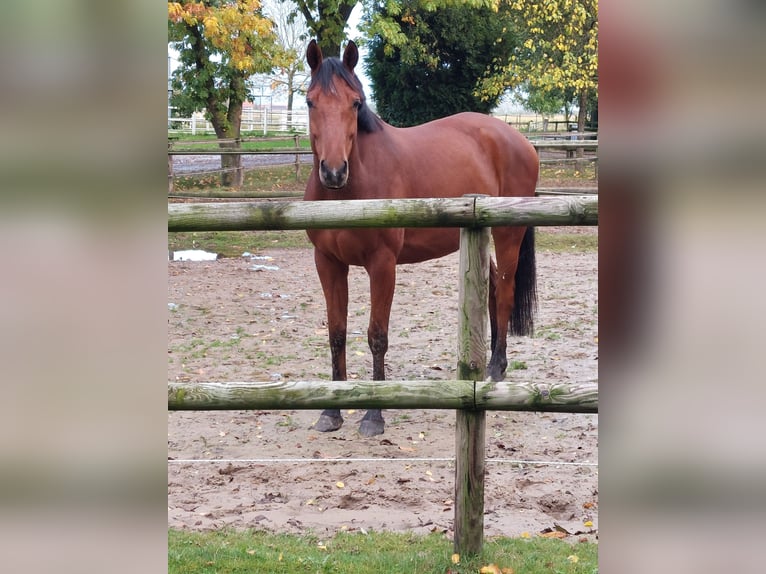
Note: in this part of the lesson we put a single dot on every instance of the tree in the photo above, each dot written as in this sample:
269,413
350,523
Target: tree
327,19
434,69
290,77
221,43
542,101
559,50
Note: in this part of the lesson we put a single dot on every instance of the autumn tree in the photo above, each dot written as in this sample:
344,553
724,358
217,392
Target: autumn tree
559,51
220,44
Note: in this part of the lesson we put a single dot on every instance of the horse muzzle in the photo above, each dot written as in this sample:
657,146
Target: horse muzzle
333,178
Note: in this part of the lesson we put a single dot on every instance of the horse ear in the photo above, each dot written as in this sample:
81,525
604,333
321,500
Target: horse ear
314,56
350,55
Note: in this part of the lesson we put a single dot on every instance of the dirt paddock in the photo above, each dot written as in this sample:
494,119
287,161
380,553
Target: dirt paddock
245,319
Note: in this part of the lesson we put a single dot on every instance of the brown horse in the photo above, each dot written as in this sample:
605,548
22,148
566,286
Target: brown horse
358,156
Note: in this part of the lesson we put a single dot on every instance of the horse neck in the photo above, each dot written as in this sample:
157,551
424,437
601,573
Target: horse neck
368,145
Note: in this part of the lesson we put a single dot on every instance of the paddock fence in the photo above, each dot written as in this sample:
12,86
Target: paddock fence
586,143
470,394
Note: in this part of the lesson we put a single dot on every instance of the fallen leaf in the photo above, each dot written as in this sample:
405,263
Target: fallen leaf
251,552
525,535
406,449
491,569
573,558
507,570
554,534
588,524
456,558
339,484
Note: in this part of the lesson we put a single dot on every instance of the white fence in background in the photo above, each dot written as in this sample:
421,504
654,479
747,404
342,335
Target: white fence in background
268,120
253,120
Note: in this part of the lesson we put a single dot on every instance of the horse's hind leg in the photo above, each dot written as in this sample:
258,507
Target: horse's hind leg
492,303
507,243
334,278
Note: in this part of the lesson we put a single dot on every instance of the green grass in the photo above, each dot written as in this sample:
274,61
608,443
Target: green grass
234,243
229,552
565,242
263,179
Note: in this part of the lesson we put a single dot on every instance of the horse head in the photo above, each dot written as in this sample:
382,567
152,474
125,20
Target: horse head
337,111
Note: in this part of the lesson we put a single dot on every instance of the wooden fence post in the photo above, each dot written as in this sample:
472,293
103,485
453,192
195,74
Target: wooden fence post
470,424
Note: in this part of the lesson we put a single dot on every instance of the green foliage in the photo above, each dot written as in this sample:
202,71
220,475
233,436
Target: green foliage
326,20
545,102
424,63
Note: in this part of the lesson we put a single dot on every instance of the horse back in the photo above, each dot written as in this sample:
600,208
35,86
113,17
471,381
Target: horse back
462,154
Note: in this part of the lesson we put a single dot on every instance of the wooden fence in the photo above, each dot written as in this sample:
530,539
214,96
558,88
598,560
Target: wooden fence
577,141
471,395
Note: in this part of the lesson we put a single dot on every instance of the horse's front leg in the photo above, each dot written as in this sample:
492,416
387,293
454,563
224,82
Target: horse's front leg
382,274
333,276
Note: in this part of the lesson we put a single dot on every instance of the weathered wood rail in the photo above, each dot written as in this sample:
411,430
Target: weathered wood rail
450,212
393,394
471,395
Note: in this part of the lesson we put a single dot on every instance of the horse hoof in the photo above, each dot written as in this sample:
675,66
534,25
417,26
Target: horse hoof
495,374
328,424
371,427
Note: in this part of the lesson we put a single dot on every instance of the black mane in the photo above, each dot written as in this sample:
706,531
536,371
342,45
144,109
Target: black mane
367,121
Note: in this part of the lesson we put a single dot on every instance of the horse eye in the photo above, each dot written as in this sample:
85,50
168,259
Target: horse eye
357,105
309,104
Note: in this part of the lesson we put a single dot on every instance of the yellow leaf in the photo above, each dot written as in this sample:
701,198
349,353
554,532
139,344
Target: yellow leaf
507,570
251,552
456,558
339,484
280,557
573,558
588,524
525,535
491,569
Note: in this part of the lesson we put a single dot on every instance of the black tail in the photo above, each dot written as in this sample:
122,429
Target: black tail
525,294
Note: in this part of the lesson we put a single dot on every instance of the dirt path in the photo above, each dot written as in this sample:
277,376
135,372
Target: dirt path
229,321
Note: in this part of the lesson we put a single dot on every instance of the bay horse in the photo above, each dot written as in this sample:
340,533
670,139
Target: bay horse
359,156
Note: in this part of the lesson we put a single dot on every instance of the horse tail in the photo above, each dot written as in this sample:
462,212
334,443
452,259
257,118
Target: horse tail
525,294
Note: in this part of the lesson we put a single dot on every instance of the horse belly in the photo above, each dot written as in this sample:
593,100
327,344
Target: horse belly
428,243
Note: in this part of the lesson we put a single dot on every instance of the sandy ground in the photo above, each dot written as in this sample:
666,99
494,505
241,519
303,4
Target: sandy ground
263,319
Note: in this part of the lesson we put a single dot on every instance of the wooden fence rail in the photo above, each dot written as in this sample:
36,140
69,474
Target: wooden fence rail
470,395
394,394
431,212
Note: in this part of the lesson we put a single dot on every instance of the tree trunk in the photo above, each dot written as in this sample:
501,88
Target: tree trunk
233,175
581,115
